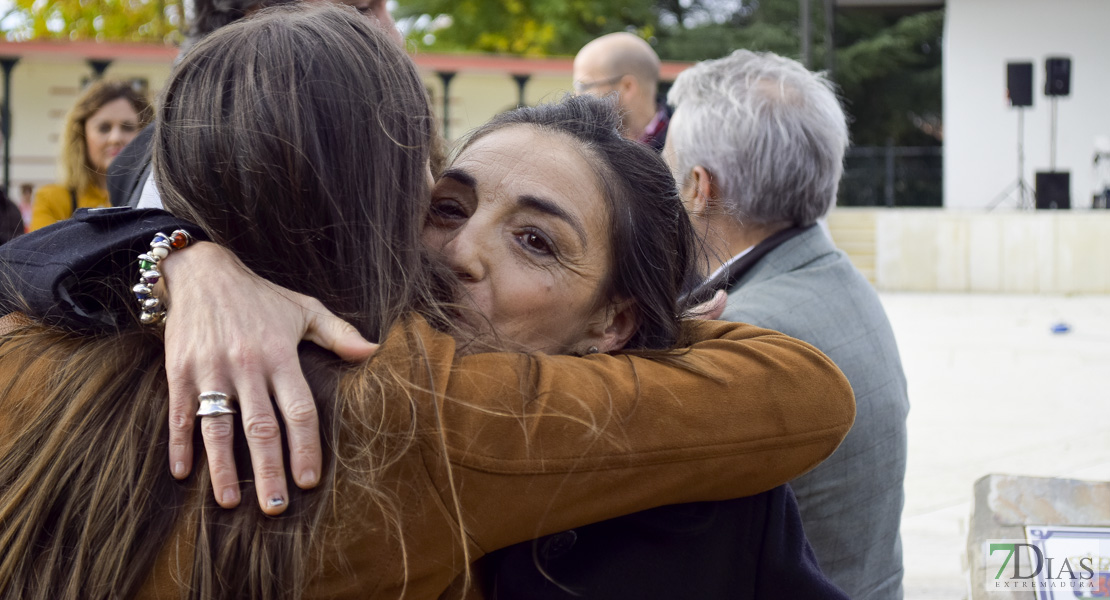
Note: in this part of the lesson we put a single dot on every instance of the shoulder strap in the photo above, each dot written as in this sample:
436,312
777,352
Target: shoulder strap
72,201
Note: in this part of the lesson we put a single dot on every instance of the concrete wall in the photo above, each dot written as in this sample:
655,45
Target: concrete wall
929,250
980,129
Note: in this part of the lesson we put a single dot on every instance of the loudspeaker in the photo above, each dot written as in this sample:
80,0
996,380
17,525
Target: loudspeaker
1019,83
1053,189
1057,81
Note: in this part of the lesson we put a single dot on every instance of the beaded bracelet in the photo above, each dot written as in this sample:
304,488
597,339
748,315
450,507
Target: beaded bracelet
151,309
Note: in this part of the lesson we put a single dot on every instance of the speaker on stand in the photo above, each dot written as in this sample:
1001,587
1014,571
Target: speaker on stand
1019,92
1056,192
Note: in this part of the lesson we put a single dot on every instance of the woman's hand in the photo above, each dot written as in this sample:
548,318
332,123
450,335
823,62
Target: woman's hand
230,331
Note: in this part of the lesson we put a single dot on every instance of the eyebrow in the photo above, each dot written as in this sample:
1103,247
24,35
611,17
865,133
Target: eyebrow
543,205
536,203
462,177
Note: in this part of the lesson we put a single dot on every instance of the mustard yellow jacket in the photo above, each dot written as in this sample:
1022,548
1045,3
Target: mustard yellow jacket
54,203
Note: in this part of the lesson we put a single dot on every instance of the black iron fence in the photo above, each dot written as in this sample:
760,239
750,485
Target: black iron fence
892,176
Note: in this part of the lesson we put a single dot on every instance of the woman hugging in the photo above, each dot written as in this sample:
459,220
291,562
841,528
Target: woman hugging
532,370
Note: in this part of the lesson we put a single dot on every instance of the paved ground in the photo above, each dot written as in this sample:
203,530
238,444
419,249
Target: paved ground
993,390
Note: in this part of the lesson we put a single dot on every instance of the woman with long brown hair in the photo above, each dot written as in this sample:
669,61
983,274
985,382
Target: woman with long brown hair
298,139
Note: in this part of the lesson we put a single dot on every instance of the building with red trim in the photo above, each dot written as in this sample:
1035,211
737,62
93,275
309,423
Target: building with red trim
45,77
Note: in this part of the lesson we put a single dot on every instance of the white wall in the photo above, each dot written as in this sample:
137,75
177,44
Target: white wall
980,129
951,250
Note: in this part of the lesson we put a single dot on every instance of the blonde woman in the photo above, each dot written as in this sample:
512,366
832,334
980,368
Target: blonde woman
106,117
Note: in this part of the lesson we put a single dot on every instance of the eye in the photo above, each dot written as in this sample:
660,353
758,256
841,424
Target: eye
104,128
536,242
446,212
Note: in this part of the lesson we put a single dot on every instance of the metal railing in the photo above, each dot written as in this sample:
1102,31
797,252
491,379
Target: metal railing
892,176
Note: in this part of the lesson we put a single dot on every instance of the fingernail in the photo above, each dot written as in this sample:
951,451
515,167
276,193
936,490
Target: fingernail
275,502
308,477
179,469
230,496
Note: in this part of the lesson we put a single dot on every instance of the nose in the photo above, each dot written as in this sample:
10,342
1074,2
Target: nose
115,134
466,255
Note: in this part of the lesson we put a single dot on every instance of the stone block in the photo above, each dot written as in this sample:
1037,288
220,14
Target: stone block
1005,504
952,251
1020,244
906,250
1084,252
985,254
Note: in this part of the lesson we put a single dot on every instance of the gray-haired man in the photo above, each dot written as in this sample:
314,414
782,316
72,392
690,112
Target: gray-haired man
756,144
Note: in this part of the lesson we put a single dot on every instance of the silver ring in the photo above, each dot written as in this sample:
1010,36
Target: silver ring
214,404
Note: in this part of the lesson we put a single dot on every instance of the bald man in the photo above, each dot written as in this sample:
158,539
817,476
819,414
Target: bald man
625,64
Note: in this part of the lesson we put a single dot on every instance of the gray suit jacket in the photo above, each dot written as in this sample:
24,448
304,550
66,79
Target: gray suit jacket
851,504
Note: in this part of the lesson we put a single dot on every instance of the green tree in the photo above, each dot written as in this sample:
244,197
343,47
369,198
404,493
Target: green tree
888,65
890,76
698,32
521,27
101,20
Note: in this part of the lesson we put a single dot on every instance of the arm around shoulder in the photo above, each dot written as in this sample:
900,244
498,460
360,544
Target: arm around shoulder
743,411
59,273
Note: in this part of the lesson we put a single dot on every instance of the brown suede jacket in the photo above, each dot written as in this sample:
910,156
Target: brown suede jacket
511,447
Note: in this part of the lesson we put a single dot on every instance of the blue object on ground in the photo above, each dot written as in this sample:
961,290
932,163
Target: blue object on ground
1061,328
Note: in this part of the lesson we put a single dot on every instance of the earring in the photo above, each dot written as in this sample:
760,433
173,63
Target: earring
591,350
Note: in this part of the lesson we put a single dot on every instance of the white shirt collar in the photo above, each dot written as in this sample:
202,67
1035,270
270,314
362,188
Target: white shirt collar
728,263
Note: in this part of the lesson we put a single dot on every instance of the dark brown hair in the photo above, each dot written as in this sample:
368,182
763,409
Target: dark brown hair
304,152
651,238
298,138
210,15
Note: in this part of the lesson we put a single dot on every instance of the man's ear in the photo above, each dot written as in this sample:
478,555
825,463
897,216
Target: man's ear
702,195
617,324
628,87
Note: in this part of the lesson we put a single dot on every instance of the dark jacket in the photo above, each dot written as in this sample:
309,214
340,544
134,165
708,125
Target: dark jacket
11,220
78,273
130,168
738,549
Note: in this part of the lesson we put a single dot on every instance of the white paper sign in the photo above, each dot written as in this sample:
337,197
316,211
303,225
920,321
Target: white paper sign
1068,562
